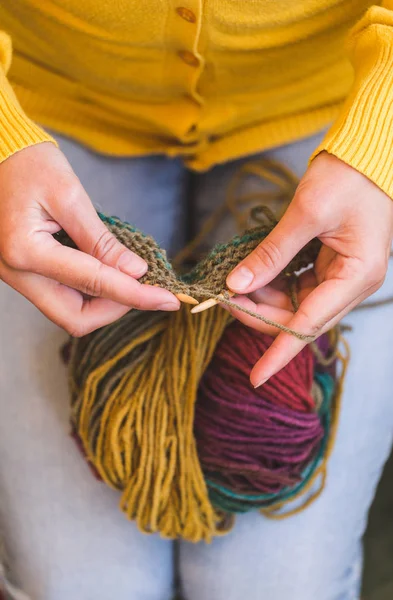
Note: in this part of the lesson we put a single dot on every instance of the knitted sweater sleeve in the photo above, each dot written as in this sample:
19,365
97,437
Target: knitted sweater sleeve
362,136
17,131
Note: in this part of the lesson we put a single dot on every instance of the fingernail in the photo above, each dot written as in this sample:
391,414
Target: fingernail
240,278
261,382
169,306
132,264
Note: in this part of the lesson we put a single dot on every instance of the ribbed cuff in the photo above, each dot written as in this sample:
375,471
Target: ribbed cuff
17,131
362,136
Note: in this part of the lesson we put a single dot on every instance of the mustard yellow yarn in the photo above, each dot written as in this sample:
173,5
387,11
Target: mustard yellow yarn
141,440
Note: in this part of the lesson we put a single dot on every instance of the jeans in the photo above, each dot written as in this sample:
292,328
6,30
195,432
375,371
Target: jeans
66,538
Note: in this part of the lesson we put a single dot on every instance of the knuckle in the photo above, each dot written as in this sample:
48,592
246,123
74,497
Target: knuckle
76,330
311,203
310,211
104,246
13,254
137,303
68,191
308,324
79,328
268,254
376,272
93,286
353,270
73,330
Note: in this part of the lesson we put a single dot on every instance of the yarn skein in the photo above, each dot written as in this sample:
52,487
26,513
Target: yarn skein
157,399
258,446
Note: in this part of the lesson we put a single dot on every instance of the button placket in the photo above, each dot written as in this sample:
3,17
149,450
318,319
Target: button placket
186,64
186,32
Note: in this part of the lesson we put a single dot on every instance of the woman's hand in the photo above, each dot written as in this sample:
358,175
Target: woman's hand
354,220
39,195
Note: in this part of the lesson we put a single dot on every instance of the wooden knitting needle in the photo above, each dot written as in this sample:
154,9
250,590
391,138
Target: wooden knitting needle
208,304
186,298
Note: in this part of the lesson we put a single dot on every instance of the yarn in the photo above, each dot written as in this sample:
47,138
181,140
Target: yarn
259,445
162,406
134,387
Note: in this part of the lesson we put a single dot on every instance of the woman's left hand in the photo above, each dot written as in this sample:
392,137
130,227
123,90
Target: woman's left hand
353,218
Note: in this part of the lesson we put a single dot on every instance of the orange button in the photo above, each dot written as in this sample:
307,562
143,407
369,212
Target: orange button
191,129
186,14
189,58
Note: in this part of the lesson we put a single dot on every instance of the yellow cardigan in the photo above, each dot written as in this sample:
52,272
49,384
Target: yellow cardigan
208,80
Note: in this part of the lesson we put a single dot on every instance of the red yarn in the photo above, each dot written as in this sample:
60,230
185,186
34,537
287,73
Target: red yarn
239,350
255,441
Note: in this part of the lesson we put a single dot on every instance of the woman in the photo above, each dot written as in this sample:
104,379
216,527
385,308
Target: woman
135,94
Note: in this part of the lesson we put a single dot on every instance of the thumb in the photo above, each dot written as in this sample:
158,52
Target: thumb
272,255
90,234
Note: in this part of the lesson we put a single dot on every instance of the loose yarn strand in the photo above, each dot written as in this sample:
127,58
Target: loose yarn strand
300,336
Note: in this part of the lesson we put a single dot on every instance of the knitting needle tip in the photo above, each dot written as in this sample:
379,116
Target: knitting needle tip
204,305
186,298
208,304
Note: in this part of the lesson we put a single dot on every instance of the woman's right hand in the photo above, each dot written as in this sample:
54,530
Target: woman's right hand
80,290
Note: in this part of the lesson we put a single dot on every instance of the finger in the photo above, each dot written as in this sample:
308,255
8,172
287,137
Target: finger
64,306
272,313
272,255
88,275
307,280
318,312
356,302
90,234
268,294
257,377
